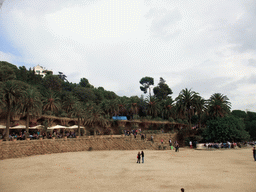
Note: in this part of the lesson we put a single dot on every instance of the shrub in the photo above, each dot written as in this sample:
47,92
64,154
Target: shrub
90,149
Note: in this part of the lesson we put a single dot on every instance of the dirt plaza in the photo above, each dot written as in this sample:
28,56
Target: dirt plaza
164,170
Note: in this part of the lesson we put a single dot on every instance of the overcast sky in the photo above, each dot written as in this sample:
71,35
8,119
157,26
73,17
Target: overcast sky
206,46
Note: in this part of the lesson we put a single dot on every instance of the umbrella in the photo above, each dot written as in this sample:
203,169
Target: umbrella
57,127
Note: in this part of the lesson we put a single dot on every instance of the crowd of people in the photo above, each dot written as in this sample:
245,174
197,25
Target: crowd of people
21,135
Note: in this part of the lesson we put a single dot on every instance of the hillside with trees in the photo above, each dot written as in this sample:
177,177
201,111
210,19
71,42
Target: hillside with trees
24,92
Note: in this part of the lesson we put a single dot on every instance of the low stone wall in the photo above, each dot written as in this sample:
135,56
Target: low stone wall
16,149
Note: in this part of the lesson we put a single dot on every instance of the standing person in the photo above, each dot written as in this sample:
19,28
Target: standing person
152,139
182,189
170,142
177,147
190,144
254,153
138,157
142,156
162,141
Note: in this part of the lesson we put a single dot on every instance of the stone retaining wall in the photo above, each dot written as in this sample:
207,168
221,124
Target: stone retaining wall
16,149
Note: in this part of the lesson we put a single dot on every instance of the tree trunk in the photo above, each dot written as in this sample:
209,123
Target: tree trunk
8,124
27,125
94,130
78,126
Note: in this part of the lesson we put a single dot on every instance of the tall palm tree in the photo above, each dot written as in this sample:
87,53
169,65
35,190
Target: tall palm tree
10,93
51,102
167,108
218,105
31,105
133,105
186,103
95,117
78,110
200,107
153,107
121,105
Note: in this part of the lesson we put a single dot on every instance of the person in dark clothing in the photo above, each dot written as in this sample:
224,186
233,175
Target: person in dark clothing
142,156
138,158
177,147
182,189
254,153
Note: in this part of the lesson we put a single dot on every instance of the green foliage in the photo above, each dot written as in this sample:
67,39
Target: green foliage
7,71
162,91
218,105
228,128
239,114
146,82
52,82
84,94
85,83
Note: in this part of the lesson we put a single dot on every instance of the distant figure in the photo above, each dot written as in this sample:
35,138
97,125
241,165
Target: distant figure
254,153
190,144
152,139
142,156
170,142
162,141
182,189
138,157
177,147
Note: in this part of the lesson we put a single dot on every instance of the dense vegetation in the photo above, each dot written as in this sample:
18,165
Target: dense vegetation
24,92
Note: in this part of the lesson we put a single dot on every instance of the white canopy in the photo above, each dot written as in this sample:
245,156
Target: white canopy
57,127
36,127
19,127
74,127
2,127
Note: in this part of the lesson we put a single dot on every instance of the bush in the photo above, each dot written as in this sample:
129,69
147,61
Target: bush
159,147
90,149
171,119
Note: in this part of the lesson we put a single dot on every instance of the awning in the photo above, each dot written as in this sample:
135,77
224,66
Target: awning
57,127
74,127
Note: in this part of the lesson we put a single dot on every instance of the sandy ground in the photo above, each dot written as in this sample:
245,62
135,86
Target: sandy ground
194,170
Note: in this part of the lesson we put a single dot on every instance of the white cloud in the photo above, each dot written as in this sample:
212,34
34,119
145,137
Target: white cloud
204,45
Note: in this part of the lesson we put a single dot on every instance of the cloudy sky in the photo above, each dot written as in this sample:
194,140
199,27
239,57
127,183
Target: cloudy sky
206,46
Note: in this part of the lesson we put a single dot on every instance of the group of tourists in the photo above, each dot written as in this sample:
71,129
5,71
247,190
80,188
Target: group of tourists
140,155
33,135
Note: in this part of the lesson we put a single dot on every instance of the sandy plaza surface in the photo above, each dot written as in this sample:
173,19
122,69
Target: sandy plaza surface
163,170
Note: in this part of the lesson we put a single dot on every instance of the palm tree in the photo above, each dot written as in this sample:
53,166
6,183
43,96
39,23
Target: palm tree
200,107
167,108
51,102
95,117
78,110
153,107
186,103
10,93
133,105
31,106
121,105
218,105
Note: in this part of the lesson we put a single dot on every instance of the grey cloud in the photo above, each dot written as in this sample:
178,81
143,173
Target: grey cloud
243,31
1,3
163,20
252,62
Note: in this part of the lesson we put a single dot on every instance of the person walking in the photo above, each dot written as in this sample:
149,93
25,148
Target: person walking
254,153
142,156
162,141
138,157
152,139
